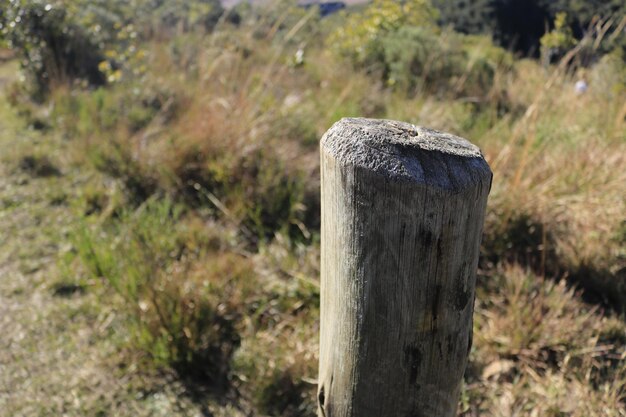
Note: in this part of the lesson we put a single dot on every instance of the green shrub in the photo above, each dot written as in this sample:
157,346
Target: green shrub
558,41
115,158
359,37
106,110
446,63
419,58
182,307
256,189
401,42
52,46
92,42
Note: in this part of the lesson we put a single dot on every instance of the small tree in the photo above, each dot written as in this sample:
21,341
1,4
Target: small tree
558,41
360,38
51,45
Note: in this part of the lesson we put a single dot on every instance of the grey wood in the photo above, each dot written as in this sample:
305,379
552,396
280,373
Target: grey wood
402,215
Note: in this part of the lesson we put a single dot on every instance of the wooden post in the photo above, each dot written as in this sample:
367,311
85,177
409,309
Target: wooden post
402,216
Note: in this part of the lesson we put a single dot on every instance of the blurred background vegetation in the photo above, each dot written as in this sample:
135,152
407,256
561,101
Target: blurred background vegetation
160,161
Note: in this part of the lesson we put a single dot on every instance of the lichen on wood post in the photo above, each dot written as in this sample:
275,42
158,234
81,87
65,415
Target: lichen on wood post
402,216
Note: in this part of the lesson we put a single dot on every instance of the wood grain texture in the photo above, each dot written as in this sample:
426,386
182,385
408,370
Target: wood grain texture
402,216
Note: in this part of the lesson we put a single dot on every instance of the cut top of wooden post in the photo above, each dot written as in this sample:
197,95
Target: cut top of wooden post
404,152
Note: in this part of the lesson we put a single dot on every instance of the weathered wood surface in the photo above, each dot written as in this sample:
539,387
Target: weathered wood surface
402,216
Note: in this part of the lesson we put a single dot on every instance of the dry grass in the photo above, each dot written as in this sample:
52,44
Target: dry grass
60,345
540,351
225,128
561,169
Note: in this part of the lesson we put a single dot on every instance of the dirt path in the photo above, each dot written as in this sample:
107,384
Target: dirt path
38,349
58,341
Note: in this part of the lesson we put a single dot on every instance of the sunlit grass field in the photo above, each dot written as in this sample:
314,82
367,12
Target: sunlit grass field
160,234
